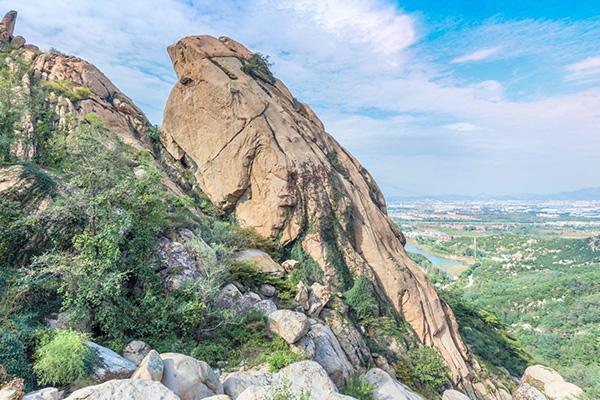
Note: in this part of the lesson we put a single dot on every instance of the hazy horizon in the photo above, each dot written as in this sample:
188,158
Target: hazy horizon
461,98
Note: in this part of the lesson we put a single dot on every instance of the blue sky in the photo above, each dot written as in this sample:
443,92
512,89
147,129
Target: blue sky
433,97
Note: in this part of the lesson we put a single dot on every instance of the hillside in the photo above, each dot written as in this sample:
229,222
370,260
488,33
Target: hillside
238,252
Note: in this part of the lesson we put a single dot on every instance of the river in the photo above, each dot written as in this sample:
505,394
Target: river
445,263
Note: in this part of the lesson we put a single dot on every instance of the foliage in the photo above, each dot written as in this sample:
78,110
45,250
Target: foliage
247,274
436,275
280,356
361,298
153,132
258,66
63,358
308,271
357,386
425,370
13,356
486,336
283,391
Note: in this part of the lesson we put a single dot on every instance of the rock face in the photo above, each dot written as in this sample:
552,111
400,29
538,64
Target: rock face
151,368
131,389
527,392
135,351
256,151
454,395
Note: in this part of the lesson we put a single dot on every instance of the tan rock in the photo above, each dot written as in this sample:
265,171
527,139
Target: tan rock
550,383
261,260
452,394
290,325
136,351
263,156
189,378
130,389
527,392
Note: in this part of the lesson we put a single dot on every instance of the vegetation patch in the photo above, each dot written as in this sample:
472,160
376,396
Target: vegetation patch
361,298
357,386
67,89
258,66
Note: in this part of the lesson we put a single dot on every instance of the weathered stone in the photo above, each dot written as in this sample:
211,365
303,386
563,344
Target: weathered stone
452,394
229,296
261,260
7,27
265,306
189,378
290,265
17,42
270,161
109,365
327,352
49,393
178,265
350,339
550,383
235,383
130,389
267,290
387,388
527,392
135,351
218,397
290,325
302,295
319,296
151,368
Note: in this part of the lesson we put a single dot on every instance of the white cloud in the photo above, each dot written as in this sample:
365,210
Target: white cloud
478,55
585,69
462,127
362,21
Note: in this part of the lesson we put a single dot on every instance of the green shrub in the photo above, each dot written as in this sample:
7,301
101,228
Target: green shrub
361,298
428,369
67,89
308,271
250,276
357,386
258,67
13,356
283,391
63,359
280,356
153,131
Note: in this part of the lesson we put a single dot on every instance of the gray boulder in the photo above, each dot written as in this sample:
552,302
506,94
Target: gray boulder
527,392
235,383
327,351
109,365
130,389
262,261
189,378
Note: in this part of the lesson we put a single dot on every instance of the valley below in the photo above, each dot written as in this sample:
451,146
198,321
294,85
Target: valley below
535,266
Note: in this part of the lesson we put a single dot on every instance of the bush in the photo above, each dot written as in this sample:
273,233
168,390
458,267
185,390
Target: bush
12,355
258,67
357,386
63,359
361,298
280,357
428,370
283,391
67,89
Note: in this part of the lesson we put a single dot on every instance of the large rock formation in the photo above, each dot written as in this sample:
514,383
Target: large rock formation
75,88
256,151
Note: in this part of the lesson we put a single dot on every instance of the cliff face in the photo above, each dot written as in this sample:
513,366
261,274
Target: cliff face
256,151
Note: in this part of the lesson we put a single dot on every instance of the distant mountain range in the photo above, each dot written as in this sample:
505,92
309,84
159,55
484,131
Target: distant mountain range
581,194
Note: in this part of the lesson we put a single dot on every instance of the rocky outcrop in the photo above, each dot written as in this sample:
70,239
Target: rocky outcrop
49,393
135,351
454,395
256,151
131,389
75,89
549,383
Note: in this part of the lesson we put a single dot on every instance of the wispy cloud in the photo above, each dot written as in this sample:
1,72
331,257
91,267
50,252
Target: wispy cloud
585,70
479,55
462,127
